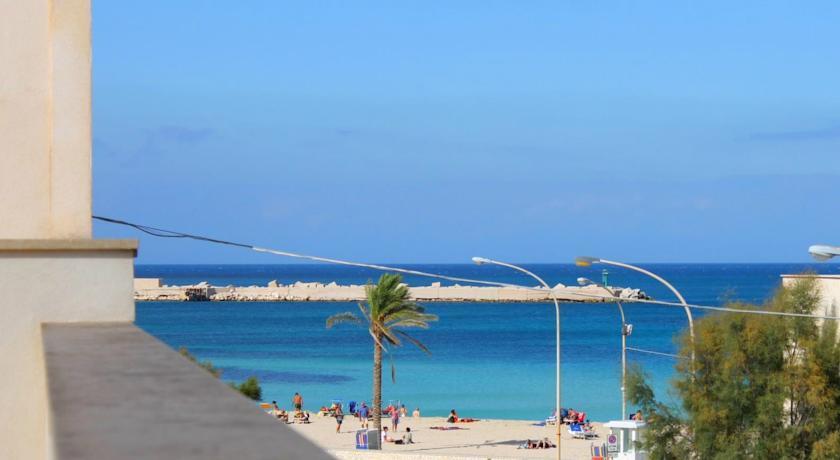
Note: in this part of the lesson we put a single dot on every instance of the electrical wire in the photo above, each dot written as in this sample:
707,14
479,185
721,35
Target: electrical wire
163,233
658,353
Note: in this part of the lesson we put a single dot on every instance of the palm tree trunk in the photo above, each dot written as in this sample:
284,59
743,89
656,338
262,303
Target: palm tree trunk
377,385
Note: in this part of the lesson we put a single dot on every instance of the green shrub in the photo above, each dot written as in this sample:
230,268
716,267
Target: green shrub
250,388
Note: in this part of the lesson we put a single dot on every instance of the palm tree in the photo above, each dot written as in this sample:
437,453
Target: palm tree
388,309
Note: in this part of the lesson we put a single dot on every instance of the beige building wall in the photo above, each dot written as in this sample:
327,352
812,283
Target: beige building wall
72,281
45,123
50,268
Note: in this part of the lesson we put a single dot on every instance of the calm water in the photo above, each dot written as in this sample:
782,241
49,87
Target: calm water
489,360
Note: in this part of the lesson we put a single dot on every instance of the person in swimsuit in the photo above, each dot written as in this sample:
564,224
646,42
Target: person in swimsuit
395,419
339,418
385,437
297,400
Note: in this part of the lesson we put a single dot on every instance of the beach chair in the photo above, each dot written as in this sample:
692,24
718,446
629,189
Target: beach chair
578,432
551,420
598,452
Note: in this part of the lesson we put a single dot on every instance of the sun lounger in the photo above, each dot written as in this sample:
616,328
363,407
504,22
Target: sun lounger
578,432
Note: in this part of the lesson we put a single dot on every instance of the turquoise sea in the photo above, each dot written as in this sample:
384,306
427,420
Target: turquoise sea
489,360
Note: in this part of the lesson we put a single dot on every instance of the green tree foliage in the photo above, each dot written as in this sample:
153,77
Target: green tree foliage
388,310
761,387
250,388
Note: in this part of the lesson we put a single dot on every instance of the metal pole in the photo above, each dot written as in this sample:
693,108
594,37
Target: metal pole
623,363
558,423
669,286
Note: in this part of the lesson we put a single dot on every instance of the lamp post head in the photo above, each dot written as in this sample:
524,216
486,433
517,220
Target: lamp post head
584,261
480,260
822,252
585,281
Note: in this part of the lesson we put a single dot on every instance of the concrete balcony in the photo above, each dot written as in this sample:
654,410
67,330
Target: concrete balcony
115,392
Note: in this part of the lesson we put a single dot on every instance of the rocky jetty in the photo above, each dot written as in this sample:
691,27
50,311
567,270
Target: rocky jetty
151,289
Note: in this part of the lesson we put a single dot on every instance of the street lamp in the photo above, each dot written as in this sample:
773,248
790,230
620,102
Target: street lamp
588,261
626,329
558,423
823,252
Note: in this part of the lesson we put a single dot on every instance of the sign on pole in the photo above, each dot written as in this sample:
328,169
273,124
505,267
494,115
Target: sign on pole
612,443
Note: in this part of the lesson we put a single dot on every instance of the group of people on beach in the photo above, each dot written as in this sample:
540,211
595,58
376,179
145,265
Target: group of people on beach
298,416
543,443
570,416
363,413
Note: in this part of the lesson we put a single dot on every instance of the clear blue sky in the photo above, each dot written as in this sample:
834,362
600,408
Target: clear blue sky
419,131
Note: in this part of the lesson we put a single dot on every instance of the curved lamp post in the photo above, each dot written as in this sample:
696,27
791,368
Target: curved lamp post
588,261
626,329
823,252
481,261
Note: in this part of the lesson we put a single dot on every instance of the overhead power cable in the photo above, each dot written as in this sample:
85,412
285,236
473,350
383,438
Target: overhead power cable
163,233
658,353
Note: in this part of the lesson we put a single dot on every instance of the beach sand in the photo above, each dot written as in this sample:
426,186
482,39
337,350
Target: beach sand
485,439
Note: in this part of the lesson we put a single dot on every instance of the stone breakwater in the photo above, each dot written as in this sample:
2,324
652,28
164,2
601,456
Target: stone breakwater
151,289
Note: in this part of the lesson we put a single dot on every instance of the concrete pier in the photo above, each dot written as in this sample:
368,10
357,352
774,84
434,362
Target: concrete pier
151,289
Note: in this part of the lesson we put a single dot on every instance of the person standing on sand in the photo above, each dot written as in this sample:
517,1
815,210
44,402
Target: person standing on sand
395,419
416,413
363,415
297,401
339,418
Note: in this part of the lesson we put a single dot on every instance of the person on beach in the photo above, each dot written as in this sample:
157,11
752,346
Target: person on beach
403,411
407,439
363,415
385,437
297,400
395,419
416,413
453,417
339,418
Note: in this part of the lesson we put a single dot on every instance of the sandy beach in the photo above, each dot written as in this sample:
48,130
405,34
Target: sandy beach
485,439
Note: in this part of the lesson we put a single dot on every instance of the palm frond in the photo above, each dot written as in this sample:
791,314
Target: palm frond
416,342
390,337
339,318
410,318
364,311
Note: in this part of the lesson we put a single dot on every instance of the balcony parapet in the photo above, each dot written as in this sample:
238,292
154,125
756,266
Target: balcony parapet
116,392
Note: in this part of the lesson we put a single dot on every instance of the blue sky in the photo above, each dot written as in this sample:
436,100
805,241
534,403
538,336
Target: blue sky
435,131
